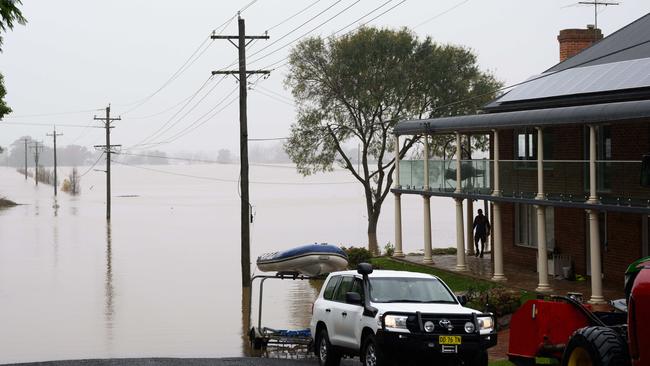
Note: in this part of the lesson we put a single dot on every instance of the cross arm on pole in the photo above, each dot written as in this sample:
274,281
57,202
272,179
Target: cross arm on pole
237,37
230,72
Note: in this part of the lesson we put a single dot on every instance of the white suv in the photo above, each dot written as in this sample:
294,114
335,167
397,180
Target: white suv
390,316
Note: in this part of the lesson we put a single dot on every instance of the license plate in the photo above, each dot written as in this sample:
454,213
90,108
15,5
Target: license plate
449,340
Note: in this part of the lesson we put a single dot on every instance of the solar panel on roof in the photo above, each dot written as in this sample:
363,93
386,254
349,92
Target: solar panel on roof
590,79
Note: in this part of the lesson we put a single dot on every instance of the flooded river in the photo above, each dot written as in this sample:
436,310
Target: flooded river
163,279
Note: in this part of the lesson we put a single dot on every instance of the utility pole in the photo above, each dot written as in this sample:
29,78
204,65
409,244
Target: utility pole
54,135
107,150
243,41
596,4
37,150
26,141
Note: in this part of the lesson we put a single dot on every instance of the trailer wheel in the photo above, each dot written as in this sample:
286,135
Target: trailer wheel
597,346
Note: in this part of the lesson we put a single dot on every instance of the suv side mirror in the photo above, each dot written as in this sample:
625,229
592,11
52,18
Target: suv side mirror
462,299
353,298
364,268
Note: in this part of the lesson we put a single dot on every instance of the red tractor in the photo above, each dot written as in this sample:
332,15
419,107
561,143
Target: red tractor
564,330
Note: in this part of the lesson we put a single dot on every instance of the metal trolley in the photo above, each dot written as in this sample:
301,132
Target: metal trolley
284,341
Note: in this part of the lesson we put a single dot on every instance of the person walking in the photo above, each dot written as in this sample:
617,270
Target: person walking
481,228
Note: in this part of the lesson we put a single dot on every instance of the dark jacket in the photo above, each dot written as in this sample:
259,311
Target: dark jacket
481,225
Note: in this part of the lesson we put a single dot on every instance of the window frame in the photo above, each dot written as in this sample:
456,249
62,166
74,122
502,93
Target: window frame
531,226
337,280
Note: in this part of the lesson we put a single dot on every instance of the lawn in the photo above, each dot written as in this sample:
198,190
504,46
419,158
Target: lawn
456,282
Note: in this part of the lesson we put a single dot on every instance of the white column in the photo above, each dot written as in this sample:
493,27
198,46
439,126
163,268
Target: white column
470,229
458,163
542,260
427,206
398,205
540,164
496,189
427,230
593,195
497,249
594,252
460,242
426,162
469,235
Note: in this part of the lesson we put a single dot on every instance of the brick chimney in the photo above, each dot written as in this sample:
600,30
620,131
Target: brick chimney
573,41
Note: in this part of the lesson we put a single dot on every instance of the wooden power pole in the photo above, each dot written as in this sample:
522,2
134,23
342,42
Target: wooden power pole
107,150
242,77
37,147
54,135
26,141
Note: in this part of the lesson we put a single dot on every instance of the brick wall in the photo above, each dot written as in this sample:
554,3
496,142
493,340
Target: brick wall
570,236
572,41
526,257
629,142
623,244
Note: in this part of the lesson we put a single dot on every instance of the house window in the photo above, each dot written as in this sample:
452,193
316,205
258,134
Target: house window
526,226
526,144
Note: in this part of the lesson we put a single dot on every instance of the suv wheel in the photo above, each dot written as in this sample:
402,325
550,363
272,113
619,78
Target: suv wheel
371,355
327,355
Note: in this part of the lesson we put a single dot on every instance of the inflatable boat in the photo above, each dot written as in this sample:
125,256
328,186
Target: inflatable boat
310,260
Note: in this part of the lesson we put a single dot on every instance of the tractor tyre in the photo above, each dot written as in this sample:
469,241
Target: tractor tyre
595,346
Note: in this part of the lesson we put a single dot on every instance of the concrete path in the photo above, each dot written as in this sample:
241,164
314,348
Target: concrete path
184,362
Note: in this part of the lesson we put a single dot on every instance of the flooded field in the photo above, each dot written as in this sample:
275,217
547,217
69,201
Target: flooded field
163,279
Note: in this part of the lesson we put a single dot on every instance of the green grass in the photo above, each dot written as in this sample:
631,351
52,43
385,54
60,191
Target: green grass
455,281
501,363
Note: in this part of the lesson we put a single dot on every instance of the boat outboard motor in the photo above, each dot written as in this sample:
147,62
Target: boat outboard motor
364,269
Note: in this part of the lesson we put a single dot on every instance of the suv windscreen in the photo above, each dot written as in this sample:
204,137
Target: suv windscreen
404,289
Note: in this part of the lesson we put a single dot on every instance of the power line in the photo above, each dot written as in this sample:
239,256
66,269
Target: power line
308,32
274,93
296,28
273,97
270,139
92,166
441,14
49,125
164,125
51,114
196,124
193,126
542,76
347,26
198,52
294,15
234,180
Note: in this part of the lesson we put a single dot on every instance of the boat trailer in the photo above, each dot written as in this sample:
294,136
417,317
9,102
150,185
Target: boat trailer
285,340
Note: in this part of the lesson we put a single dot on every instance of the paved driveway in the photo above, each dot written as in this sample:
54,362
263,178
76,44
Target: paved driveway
184,361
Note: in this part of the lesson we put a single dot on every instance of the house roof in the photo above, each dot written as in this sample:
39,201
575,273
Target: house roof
617,64
607,82
583,114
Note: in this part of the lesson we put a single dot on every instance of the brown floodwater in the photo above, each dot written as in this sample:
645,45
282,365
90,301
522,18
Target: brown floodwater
163,278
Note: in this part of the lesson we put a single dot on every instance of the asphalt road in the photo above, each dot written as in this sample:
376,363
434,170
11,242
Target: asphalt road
184,361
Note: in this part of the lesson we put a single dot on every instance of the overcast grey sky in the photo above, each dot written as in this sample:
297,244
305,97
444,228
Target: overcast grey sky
79,55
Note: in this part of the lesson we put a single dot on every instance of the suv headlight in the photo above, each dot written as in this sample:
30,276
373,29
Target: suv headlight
485,324
396,323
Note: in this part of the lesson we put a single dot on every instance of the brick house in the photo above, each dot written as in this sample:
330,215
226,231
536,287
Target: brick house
564,166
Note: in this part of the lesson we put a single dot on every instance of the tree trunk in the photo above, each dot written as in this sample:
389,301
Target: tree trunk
373,246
